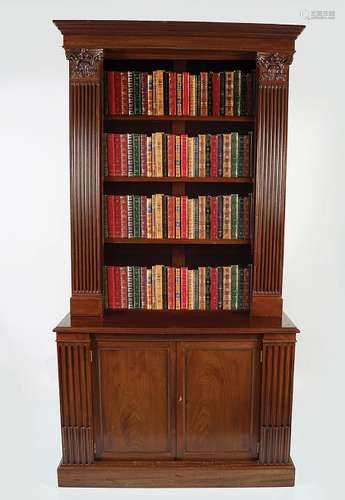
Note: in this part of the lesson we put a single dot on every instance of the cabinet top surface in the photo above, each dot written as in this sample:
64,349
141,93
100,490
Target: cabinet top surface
171,322
178,35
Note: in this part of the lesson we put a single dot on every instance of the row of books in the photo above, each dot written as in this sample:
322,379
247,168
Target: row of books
178,217
162,154
178,288
170,93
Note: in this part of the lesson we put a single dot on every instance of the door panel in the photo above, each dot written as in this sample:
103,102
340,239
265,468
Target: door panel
218,399
135,407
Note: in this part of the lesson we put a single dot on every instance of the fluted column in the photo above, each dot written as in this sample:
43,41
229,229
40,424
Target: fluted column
271,144
276,399
86,70
74,363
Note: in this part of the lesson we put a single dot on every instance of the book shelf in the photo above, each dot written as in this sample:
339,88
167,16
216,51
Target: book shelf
177,276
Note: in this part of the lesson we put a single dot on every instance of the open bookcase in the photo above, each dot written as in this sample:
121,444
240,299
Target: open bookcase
176,360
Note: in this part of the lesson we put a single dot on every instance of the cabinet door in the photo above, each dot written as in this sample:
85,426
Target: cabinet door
135,399
218,393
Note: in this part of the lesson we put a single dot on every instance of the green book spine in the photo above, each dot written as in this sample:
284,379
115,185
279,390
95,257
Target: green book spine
130,203
244,95
237,93
136,155
241,218
209,94
208,288
165,287
136,92
234,154
165,216
220,155
220,287
136,287
208,217
234,288
130,294
240,155
208,155
234,216
105,287
240,288
222,92
130,155
136,217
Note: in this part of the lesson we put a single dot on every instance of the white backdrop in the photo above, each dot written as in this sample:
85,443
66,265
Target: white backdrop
35,268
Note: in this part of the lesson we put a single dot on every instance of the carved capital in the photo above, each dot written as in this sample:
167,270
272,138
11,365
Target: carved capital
273,68
84,63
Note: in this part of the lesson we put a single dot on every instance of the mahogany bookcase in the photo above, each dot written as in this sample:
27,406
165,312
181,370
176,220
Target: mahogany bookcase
176,398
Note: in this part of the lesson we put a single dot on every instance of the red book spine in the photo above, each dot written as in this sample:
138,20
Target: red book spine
143,154
124,92
117,80
123,286
111,154
111,216
111,287
184,155
216,94
184,217
214,217
171,155
171,217
185,93
184,288
117,217
143,216
214,155
214,289
171,288
117,304
143,288
111,93
172,93
117,154
124,216
124,154
144,93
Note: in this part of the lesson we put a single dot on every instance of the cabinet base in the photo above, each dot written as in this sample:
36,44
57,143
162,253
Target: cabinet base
174,474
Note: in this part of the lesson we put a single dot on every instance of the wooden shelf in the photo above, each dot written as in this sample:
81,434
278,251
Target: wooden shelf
155,118
216,180
166,241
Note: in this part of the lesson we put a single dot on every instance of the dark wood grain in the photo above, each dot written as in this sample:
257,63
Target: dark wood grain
85,168
75,399
170,118
276,399
177,474
215,380
135,399
271,147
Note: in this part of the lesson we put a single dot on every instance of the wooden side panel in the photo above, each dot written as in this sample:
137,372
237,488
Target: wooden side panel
218,407
74,360
135,399
85,166
276,401
271,147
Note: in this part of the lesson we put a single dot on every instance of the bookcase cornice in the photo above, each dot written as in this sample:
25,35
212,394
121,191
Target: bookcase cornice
178,35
